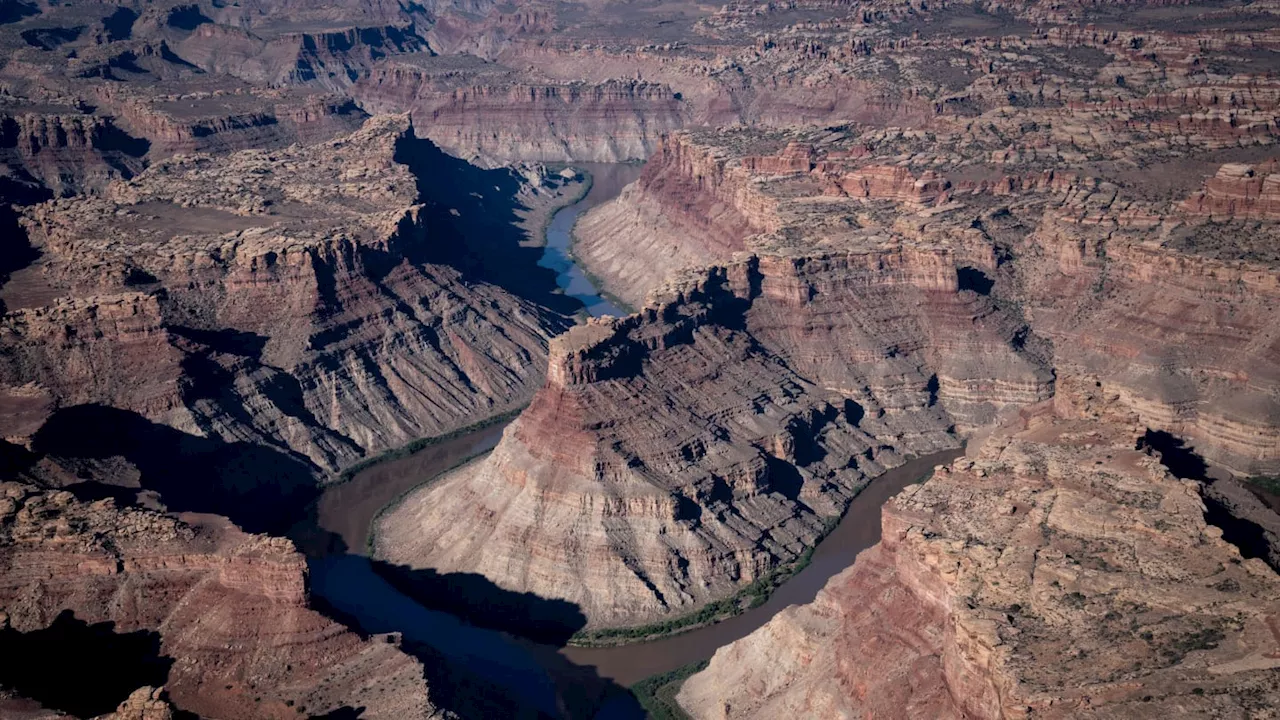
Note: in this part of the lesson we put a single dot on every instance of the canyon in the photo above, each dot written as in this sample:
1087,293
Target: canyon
1055,571
257,255
261,293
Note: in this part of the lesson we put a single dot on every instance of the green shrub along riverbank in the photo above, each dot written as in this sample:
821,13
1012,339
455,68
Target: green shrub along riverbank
1269,483
753,595
657,693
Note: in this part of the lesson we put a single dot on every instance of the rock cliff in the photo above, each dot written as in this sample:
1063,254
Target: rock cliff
226,613
507,119
301,298
1055,571
695,446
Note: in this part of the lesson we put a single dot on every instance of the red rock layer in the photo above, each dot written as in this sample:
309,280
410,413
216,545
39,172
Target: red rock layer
1239,191
1055,572
690,448
611,121
69,152
230,608
1187,342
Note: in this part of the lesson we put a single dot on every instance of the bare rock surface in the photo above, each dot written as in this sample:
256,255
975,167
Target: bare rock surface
303,298
229,611
692,448
1053,572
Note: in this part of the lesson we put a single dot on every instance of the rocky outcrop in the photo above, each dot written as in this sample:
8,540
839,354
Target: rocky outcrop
1239,191
222,122
67,153
688,209
295,297
230,611
506,121
1186,341
1173,313
1055,571
693,447
331,59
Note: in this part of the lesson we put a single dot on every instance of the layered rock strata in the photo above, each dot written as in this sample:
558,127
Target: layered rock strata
682,213
230,610
1053,572
299,298
499,118
1171,304
695,446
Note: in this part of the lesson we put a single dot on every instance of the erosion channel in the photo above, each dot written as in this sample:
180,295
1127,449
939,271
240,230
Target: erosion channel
574,682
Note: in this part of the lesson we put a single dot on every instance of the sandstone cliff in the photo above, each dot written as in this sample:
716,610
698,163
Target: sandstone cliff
1177,313
695,446
229,610
1053,572
507,119
300,298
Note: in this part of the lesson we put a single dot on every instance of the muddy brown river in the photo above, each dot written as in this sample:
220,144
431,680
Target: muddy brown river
858,530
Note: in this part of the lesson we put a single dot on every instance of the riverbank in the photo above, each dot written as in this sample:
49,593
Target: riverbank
539,219
747,598
858,529
371,537
751,596
349,509
349,473
607,181
591,277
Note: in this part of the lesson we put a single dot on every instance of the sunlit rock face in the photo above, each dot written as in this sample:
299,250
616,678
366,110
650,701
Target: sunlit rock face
685,451
1054,571
298,298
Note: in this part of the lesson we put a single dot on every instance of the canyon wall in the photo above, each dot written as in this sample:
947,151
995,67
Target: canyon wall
1053,572
505,121
682,213
66,153
229,611
1176,312
692,448
311,310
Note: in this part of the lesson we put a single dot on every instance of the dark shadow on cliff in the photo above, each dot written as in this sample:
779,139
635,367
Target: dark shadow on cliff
472,224
12,11
257,487
471,669
1248,536
1174,454
16,252
81,669
475,599
974,279
342,713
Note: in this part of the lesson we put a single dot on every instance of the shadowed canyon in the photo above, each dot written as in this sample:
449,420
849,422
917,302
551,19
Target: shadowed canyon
603,359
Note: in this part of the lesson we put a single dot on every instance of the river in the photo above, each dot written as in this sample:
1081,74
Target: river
607,180
569,682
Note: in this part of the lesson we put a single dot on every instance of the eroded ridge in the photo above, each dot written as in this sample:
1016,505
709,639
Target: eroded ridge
689,449
225,615
309,299
1054,571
